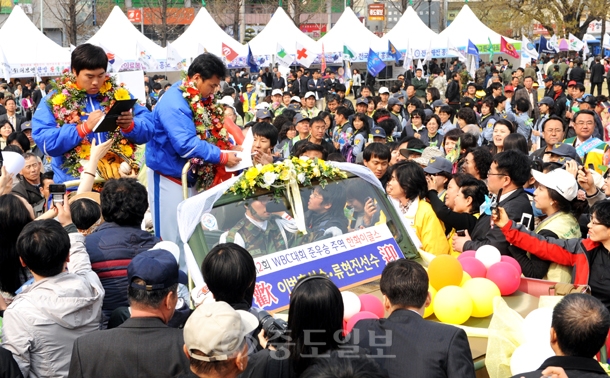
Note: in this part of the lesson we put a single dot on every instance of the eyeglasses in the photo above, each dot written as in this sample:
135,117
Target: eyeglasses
596,223
582,123
496,174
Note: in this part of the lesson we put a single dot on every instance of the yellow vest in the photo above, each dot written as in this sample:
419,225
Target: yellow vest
566,227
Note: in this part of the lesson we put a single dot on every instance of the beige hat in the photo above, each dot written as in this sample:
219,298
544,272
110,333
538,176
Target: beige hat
427,154
217,330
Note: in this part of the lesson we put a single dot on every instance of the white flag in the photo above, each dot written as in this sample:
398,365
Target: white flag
428,56
145,58
553,43
408,60
283,57
528,48
453,51
114,61
4,66
575,43
174,60
606,41
420,65
473,66
305,56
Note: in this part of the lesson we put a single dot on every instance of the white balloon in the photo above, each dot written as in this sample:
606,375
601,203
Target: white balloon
488,255
537,326
529,356
351,304
13,162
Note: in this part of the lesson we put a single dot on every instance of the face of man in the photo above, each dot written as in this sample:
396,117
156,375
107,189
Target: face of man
365,92
310,102
261,144
418,73
28,133
90,80
496,92
316,75
548,84
31,171
377,166
361,108
42,86
208,86
384,97
515,82
286,100
257,210
553,132
277,98
316,202
472,90
495,181
10,105
528,82
317,132
332,105
303,127
44,189
584,126
410,91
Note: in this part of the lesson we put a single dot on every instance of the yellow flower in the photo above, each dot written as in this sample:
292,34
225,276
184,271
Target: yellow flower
85,150
251,173
58,99
267,168
121,94
127,150
106,87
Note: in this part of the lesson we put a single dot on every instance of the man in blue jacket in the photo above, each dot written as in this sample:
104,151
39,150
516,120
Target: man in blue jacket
175,141
88,65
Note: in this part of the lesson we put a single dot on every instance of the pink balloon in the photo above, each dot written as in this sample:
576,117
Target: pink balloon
512,262
466,254
372,304
505,276
359,316
473,267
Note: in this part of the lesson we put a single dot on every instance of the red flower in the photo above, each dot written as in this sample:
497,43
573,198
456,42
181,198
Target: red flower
192,91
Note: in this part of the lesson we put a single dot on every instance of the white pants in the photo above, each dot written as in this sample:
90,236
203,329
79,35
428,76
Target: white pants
320,104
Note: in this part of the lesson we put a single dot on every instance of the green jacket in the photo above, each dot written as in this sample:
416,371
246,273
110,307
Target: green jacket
420,86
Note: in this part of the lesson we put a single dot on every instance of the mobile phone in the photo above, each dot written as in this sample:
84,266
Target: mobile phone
496,202
591,166
461,233
526,219
57,193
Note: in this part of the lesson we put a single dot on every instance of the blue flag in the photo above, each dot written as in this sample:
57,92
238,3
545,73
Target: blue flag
374,65
543,48
472,49
251,61
392,52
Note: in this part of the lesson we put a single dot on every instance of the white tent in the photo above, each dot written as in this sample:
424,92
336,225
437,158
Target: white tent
466,26
27,51
280,30
205,31
121,37
411,31
350,32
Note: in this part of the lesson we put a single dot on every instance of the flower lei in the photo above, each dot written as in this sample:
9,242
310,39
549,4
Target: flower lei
208,117
67,104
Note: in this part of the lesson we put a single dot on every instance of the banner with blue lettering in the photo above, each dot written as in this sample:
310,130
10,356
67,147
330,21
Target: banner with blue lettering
348,260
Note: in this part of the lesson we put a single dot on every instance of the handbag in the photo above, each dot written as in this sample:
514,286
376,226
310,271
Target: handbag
563,289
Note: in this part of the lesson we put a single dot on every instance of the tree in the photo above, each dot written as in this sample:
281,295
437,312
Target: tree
76,16
402,5
164,16
303,12
227,13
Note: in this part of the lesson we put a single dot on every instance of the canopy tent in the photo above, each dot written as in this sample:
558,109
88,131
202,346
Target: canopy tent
280,30
466,26
204,33
29,52
410,31
120,37
350,32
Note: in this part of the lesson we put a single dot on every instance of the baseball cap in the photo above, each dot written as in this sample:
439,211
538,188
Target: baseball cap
398,94
535,84
384,90
309,94
158,269
378,132
217,330
263,113
587,100
546,101
509,88
429,153
362,100
227,100
562,149
26,126
438,164
295,107
262,105
571,83
394,101
438,103
249,85
548,79
558,84
295,99
277,92
300,117
559,180
471,84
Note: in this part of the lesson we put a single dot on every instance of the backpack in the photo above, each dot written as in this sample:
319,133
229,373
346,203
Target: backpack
347,150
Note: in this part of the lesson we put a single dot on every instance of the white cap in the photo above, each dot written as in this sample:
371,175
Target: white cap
217,330
276,92
309,94
384,90
295,98
262,106
559,180
227,100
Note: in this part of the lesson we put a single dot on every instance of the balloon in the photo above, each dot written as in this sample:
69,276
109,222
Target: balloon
351,304
372,304
482,291
452,305
466,254
473,266
234,130
444,270
537,325
512,262
465,278
488,255
356,318
529,356
505,276
430,309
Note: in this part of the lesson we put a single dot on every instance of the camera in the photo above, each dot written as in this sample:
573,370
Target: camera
57,193
275,329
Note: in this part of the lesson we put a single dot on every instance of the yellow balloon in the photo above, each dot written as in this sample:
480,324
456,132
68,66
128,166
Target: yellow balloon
452,305
445,270
430,309
466,277
482,291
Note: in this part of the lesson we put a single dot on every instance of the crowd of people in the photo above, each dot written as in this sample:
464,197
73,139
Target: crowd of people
91,282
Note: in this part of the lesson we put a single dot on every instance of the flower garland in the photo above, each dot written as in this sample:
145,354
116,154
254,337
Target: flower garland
67,104
208,117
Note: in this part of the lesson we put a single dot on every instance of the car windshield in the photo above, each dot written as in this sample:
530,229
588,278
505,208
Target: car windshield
264,225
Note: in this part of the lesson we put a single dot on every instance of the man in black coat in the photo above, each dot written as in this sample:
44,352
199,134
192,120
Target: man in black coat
509,171
406,344
453,91
278,81
578,74
578,331
597,76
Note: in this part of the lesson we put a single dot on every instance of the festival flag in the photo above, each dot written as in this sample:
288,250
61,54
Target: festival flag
606,41
393,52
490,49
473,66
545,47
305,57
323,61
420,64
507,48
473,49
228,52
282,56
4,66
575,43
251,60
408,60
553,43
528,48
374,65
174,60
348,54
148,62
114,61
452,50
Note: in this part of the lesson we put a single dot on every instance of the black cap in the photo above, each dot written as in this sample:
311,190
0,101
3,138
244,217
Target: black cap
158,269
